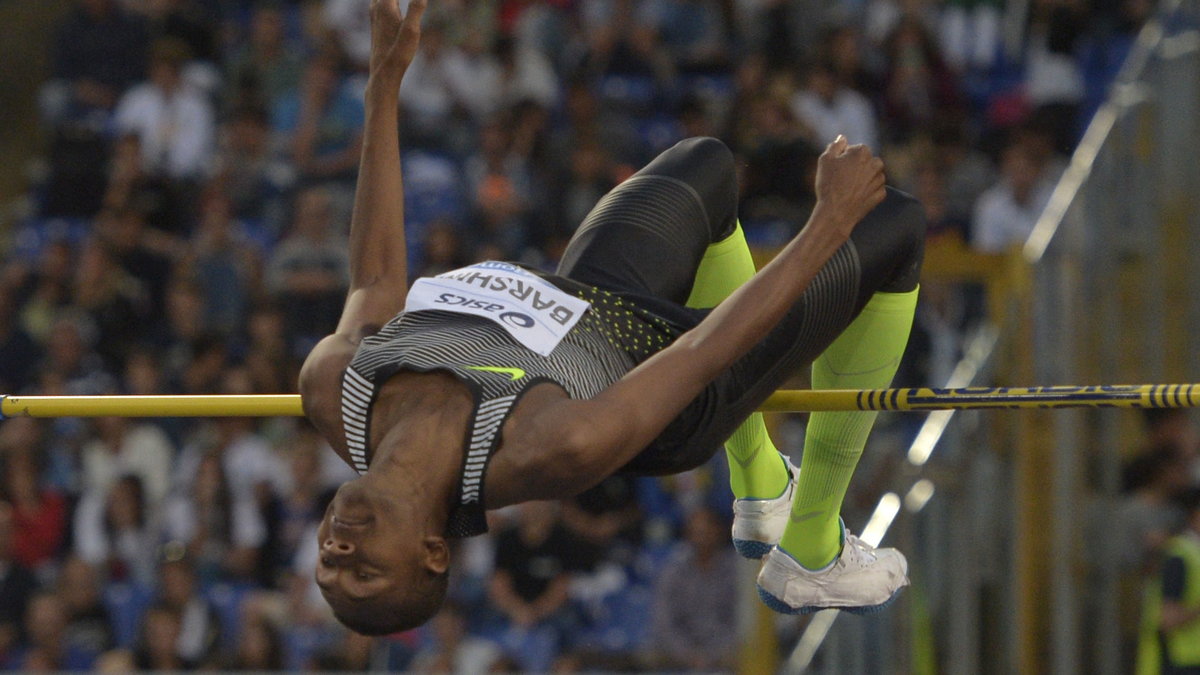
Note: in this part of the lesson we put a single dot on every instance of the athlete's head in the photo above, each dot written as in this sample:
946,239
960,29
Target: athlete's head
382,565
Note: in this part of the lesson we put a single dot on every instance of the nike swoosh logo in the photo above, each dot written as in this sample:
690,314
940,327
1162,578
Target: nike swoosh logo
804,516
745,463
514,373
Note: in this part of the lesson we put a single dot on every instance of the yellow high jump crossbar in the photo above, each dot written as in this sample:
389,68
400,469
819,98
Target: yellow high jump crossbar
912,399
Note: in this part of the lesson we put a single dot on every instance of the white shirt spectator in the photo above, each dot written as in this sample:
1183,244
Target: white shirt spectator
350,21
142,450
246,526
442,77
97,545
532,78
247,461
177,129
1003,219
848,113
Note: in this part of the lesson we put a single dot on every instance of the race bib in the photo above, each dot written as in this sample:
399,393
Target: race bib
535,312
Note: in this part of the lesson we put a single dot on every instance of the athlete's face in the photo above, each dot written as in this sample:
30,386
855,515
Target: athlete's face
369,546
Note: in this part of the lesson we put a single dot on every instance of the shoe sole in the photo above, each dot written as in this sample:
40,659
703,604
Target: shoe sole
749,548
777,605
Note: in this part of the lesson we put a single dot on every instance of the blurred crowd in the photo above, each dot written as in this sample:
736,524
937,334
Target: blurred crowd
186,229
1158,508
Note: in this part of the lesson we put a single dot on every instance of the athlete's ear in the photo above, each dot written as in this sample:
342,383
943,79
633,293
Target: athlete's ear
436,552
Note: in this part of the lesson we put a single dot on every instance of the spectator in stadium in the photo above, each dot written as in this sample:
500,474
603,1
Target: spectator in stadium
123,446
828,107
224,261
199,627
39,514
47,647
297,509
452,91
17,586
71,356
99,51
535,560
309,271
161,632
250,171
327,135
346,21
175,123
259,647
19,353
452,649
269,363
118,533
1171,635
692,31
46,286
965,171
116,301
693,597
1006,213
918,86
266,68
221,528
88,623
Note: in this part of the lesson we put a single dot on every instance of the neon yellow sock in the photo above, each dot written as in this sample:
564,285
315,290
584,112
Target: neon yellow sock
864,356
755,469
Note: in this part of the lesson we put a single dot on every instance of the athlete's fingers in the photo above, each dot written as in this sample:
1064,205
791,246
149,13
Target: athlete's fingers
412,18
858,149
838,146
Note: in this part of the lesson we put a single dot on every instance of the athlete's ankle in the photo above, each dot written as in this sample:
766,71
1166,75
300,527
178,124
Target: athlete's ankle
814,551
769,480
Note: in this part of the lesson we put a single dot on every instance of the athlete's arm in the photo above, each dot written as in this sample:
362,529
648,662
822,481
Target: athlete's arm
587,440
378,257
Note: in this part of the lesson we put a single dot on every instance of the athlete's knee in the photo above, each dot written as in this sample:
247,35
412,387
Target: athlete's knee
707,165
707,152
891,242
907,217
909,223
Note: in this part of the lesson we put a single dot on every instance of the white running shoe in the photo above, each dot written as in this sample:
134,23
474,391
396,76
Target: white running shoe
758,523
863,580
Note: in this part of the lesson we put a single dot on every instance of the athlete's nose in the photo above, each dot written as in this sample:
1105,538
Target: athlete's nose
335,546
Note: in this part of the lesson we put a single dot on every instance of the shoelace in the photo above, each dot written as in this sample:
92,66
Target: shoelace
861,553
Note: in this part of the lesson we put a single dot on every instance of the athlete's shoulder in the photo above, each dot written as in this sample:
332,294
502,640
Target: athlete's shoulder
321,381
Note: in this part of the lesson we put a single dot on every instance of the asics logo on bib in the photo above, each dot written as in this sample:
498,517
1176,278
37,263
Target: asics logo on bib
514,373
518,289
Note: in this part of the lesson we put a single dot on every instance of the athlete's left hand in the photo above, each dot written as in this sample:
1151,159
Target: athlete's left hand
394,38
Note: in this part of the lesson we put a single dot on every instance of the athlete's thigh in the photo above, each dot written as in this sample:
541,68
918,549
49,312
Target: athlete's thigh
649,233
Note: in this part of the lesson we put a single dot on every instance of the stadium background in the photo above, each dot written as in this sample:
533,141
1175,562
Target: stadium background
198,247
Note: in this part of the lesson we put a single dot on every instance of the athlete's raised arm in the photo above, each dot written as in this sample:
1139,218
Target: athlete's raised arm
378,256
593,438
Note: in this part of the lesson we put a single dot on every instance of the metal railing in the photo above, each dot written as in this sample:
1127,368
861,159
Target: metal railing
1126,207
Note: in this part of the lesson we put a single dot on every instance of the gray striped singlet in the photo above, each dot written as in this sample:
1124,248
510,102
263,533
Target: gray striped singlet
612,337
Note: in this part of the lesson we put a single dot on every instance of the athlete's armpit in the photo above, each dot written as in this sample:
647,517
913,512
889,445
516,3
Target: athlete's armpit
320,388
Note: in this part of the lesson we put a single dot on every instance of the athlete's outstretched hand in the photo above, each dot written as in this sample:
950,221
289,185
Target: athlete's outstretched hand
850,182
394,38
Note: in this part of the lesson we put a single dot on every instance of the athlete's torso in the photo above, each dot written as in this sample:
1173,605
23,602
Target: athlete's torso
609,339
